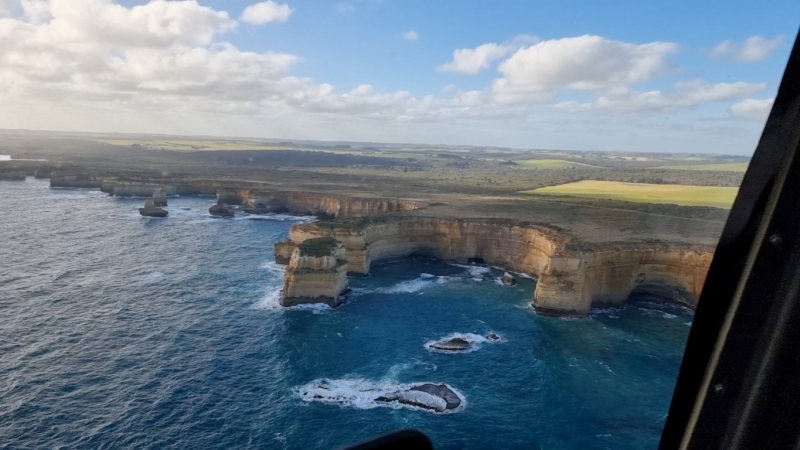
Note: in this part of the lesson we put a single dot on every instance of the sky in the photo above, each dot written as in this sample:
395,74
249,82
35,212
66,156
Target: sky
668,76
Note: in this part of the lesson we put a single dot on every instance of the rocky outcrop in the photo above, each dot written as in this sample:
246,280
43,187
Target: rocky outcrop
434,397
151,210
13,175
317,273
455,344
221,211
570,280
508,279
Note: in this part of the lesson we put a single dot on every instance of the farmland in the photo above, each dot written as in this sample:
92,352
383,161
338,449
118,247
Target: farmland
683,195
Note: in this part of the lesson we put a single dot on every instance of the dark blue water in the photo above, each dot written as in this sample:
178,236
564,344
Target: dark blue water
121,332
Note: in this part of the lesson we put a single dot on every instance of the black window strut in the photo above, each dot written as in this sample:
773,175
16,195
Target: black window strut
739,383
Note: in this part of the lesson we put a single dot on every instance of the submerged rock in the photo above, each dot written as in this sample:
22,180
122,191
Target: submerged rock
455,344
433,397
493,337
151,210
508,279
221,211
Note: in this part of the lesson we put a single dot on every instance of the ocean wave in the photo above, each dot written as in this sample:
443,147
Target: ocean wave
278,217
475,272
675,305
153,276
656,313
361,393
274,268
475,340
424,281
610,312
270,301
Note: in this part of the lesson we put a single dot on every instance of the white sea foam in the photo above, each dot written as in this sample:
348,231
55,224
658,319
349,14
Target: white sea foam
475,272
274,268
153,276
271,302
612,313
656,313
361,393
278,217
424,281
475,340
674,305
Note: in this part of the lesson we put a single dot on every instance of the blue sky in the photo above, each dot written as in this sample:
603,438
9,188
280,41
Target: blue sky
673,76
363,45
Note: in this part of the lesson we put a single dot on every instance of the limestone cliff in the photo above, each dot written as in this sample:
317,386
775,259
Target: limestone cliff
254,197
570,280
74,180
261,201
317,273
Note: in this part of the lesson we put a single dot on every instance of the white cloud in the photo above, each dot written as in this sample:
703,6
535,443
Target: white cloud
583,63
411,35
345,7
754,48
681,96
752,108
473,60
265,12
164,66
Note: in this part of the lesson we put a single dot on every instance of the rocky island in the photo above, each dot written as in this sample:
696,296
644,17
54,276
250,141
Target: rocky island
317,273
151,210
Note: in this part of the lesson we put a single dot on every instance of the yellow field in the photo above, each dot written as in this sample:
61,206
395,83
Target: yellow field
684,195
719,167
550,164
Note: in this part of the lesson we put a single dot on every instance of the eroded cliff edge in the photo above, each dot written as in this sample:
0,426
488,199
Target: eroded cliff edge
317,273
571,277
253,197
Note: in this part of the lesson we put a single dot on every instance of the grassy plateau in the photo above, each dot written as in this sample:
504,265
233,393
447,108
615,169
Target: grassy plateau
678,194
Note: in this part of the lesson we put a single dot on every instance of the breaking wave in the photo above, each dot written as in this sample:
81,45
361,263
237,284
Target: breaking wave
361,393
475,340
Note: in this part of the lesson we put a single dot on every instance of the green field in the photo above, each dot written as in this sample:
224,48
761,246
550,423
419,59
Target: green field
550,164
718,167
678,194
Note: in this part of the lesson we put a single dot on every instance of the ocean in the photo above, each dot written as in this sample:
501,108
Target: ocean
123,332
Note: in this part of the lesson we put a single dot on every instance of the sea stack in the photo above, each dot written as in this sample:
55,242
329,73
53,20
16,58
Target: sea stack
221,211
151,210
160,197
317,273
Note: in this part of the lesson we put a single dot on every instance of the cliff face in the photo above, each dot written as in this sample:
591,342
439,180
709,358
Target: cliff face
315,277
309,203
74,181
570,282
253,197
